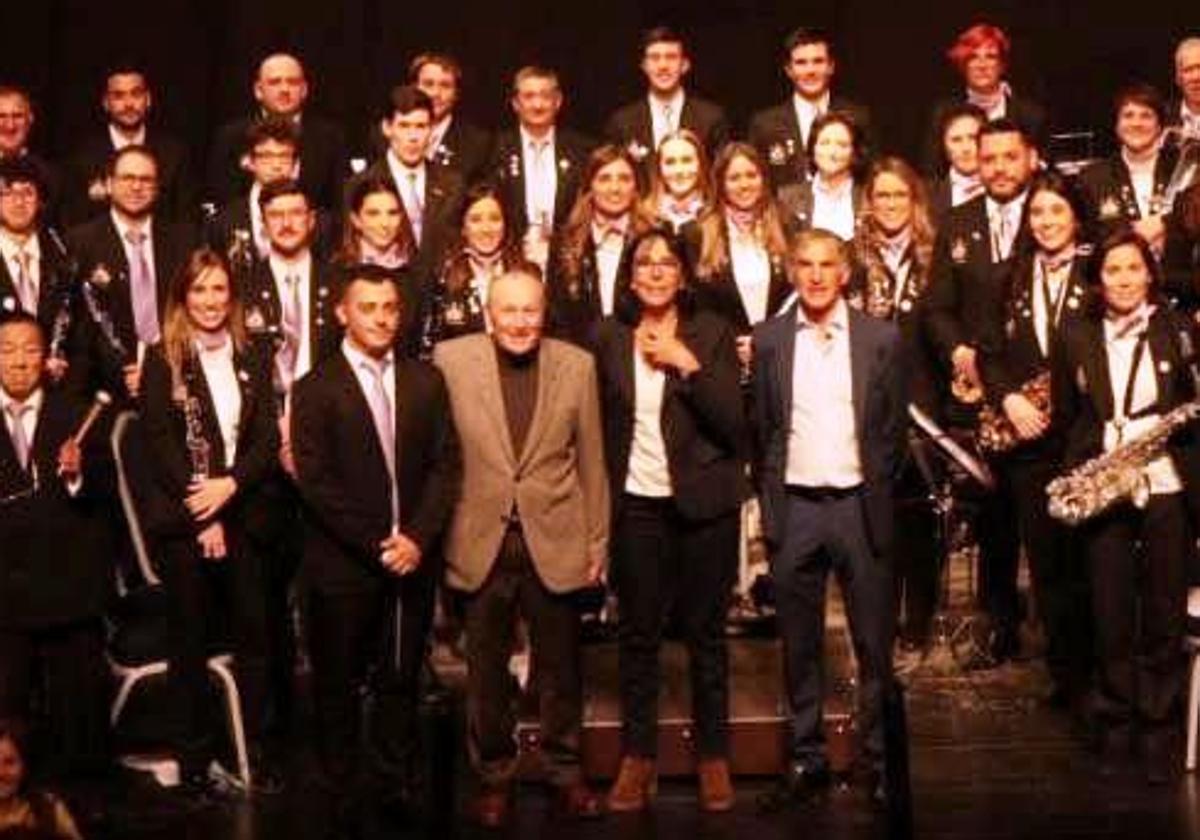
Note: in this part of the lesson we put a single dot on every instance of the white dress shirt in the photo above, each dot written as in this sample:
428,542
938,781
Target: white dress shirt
301,268
660,125
436,135
822,448
963,187
609,247
751,266
408,179
1189,121
221,376
1003,223
833,208
648,473
120,141
807,111
1160,472
360,362
540,165
1141,175
29,420
11,251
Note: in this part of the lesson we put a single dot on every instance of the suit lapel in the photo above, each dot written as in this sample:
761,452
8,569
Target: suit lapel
1096,371
643,125
785,361
403,414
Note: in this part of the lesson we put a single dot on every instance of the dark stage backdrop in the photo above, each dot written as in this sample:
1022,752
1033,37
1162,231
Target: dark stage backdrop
201,53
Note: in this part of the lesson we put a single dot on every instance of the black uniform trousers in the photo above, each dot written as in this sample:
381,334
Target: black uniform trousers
665,565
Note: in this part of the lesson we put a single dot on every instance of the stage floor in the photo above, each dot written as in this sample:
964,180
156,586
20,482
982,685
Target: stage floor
988,762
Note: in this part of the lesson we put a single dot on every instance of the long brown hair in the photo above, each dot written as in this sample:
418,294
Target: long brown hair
350,252
923,229
658,188
177,332
578,226
456,271
768,229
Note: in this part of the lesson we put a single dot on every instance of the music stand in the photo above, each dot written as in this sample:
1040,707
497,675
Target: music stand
944,464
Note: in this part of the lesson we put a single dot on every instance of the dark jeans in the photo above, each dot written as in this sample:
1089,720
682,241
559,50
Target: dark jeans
212,605
663,563
1060,585
68,660
1139,598
821,536
374,640
513,588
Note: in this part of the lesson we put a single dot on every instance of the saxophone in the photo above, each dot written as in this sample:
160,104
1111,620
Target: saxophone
1096,485
996,434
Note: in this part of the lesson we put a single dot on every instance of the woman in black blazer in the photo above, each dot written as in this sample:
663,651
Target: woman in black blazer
1046,291
209,416
1137,554
674,443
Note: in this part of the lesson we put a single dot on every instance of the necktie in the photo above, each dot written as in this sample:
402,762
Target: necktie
19,440
142,288
542,203
290,323
385,426
26,292
412,203
1004,229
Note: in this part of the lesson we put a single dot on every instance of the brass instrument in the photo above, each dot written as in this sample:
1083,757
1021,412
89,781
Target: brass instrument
1096,485
996,434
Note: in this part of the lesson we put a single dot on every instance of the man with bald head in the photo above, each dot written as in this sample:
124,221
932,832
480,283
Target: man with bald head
1186,113
16,124
531,532
281,89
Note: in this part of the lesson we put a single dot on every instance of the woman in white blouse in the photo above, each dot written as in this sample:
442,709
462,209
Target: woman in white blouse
209,415
832,198
1116,375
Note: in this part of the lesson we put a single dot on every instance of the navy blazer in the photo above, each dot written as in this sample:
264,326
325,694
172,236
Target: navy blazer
880,415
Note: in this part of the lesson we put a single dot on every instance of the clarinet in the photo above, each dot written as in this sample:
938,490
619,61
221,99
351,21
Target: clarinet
199,450
104,322
61,324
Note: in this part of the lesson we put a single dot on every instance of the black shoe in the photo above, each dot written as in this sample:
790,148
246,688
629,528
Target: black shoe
799,784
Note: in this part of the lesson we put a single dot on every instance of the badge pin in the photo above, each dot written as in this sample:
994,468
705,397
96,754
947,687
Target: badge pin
958,250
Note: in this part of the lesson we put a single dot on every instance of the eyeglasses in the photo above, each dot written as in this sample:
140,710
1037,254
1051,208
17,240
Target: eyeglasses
20,192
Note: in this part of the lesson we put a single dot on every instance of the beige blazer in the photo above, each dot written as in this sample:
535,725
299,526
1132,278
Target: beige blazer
558,483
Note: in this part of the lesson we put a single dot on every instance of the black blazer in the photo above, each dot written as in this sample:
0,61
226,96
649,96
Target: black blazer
775,132
264,312
323,165
1108,188
54,566
235,216
720,294
703,422
343,477
1083,399
1024,111
632,126
444,193
51,177
165,428
465,147
571,152
880,408
88,167
574,303
964,280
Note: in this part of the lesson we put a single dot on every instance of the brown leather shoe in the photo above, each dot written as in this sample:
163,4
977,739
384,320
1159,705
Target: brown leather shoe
635,785
580,802
491,808
716,788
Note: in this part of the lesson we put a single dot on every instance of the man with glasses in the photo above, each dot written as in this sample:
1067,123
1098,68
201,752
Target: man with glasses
16,124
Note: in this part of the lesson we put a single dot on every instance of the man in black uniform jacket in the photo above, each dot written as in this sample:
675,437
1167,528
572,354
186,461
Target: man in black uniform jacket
16,123
54,580
640,126
281,89
971,262
379,469
454,142
128,257
127,102
781,133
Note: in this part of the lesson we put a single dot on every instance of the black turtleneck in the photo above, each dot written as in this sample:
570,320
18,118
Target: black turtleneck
519,384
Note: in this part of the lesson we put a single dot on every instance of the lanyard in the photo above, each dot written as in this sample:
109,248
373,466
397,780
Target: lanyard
1127,403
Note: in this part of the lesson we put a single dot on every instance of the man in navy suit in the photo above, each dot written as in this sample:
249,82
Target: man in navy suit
830,405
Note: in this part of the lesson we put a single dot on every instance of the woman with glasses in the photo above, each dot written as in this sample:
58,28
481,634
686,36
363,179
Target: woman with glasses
674,435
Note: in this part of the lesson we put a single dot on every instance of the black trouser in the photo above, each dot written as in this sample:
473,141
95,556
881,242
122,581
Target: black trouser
916,554
513,588
999,554
663,562
373,639
68,662
1059,575
1139,598
212,605
821,535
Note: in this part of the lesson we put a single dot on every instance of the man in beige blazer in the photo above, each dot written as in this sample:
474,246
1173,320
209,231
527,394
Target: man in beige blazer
530,529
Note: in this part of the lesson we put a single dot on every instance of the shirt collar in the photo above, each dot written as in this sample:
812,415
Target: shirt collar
1128,326
281,268
807,106
839,319
675,103
124,227
603,228
1014,205
223,350
34,400
9,247
358,359
400,169
530,142
841,193
119,141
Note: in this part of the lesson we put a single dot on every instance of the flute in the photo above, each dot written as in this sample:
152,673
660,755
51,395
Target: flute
100,402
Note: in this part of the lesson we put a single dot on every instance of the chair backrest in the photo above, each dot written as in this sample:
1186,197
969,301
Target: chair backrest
123,448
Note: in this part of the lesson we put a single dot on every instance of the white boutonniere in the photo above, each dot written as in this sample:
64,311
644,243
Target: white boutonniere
564,164
514,165
243,376
777,155
100,277
636,151
10,304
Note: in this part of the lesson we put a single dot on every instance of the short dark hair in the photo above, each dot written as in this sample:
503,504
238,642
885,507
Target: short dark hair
133,149
282,187
280,129
803,36
1069,190
20,170
366,273
444,60
1126,235
403,99
858,146
1005,125
20,316
1140,93
662,35
627,307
